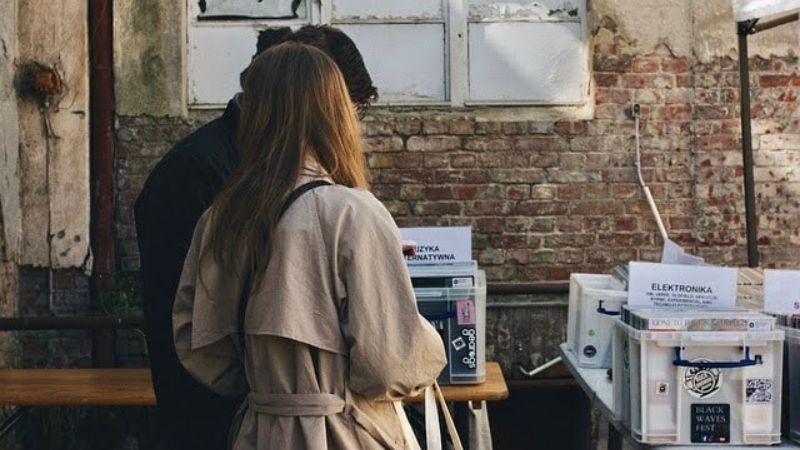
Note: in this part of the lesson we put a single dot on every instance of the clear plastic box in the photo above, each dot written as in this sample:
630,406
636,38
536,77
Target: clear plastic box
459,315
699,387
594,301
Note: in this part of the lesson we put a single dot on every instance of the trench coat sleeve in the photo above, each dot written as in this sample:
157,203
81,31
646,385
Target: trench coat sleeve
394,351
216,365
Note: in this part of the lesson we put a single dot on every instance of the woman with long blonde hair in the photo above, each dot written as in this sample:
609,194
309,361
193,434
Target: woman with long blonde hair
294,292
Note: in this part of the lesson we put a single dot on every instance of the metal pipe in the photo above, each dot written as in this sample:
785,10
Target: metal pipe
540,369
744,28
12,420
761,26
535,288
545,304
635,111
101,137
69,323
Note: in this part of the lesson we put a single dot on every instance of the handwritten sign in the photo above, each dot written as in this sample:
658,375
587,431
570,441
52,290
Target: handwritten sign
439,245
782,291
681,286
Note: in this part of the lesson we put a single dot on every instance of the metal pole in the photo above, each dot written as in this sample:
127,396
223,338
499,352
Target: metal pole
744,29
102,139
776,23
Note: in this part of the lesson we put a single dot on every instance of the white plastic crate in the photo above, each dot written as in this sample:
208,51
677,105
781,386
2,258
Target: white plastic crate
459,315
793,381
700,387
594,301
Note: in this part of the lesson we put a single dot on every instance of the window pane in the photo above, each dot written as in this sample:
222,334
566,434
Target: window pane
406,61
524,9
522,61
216,57
250,9
387,9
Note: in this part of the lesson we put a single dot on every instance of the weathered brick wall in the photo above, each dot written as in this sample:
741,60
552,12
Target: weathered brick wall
549,197
546,198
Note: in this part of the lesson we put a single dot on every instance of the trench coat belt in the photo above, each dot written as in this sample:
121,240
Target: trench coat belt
314,405
296,404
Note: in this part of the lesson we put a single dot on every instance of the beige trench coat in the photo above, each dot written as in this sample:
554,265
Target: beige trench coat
332,333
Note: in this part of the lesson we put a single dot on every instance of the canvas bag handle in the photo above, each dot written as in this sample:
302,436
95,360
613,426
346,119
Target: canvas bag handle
433,394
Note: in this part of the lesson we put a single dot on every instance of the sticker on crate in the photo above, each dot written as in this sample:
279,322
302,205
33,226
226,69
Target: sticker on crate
758,390
711,423
465,312
702,382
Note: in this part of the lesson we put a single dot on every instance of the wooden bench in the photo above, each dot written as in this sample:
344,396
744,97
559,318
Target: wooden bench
134,387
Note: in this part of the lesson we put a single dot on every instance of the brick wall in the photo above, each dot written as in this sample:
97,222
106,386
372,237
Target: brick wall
549,197
546,198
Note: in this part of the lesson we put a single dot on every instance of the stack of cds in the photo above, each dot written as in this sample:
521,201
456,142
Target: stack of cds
787,320
713,319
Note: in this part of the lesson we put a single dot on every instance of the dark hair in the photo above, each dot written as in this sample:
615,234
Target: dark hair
267,38
345,54
295,106
338,46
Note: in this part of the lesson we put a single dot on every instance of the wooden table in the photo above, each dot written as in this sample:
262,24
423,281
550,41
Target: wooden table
133,387
73,387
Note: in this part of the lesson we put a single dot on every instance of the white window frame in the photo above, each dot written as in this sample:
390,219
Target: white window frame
455,16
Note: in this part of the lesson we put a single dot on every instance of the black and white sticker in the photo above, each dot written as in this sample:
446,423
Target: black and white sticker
758,390
458,343
702,382
711,423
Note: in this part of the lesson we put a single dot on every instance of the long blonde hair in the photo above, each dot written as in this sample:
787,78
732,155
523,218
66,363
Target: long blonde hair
295,105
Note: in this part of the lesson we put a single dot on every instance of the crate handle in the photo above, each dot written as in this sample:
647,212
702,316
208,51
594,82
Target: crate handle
603,310
440,316
746,362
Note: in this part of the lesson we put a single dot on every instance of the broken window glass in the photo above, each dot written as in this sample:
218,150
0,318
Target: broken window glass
251,9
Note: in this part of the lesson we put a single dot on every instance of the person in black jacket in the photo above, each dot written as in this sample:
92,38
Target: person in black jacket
177,192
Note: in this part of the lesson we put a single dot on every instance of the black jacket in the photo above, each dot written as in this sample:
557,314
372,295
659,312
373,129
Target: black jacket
177,192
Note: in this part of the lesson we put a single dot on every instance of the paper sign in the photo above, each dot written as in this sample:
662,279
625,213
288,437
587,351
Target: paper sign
438,245
681,286
782,291
674,254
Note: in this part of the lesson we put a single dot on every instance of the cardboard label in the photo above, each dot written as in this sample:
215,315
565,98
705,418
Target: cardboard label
711,423
782,291
681,286
439,245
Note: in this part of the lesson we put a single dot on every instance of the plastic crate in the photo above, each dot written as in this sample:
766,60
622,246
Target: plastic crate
594,301
459,315
700,387
792,381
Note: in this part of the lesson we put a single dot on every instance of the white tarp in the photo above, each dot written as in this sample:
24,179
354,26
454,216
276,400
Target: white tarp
754,9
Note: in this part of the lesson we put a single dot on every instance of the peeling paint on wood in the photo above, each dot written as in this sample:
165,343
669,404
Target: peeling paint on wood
149,48
10,232
54,172
358,10
543,10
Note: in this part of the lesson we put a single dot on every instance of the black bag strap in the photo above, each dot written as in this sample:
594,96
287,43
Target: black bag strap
245,296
